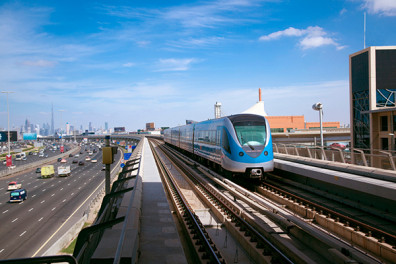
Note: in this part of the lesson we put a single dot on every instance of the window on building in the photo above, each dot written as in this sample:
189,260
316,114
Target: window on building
384,123
384,143
277,130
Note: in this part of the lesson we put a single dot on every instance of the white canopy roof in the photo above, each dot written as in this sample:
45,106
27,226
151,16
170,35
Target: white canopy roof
257,109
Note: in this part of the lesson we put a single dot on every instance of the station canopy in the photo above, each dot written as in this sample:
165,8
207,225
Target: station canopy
257,109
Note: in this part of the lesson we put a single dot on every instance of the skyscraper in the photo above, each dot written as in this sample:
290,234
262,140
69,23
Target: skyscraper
90,127
106,126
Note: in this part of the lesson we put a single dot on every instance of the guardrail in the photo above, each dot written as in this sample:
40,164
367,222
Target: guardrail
380,159
118,218
39,163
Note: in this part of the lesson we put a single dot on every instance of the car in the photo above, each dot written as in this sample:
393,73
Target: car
75,161
337,146
81,152
41,155
70,155
94,161
46,156
38,170
87,158
30,153
59,159
18,195
63,161
4,162
35,153
77,155
90,153
81,163
14,186
24,158
103,167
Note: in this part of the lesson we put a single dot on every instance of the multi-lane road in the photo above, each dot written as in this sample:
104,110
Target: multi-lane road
30,227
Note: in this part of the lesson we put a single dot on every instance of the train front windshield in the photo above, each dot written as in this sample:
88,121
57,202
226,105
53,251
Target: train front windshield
250,130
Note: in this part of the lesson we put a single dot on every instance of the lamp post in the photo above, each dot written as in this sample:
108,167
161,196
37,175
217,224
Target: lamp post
8,113
319,107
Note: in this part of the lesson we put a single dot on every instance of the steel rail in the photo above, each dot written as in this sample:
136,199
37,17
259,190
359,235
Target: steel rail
195,224
382,236
268,247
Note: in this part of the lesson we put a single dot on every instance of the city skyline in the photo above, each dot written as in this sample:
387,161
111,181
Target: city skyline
167,62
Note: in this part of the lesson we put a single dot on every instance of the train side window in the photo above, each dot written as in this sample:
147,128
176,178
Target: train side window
226,143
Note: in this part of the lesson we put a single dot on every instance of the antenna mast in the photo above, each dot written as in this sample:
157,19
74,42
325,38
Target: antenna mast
364,34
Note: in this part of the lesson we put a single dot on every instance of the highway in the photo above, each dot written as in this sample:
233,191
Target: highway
28,225
32,158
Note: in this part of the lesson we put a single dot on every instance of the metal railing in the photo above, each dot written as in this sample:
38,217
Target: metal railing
90,238
380,159
42,260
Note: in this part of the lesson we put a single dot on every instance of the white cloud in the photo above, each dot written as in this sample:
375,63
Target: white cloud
128,64
383,7
39,63
289,32
312,37
174,64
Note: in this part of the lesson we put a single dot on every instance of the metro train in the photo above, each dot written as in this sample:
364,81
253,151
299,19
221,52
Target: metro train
239,144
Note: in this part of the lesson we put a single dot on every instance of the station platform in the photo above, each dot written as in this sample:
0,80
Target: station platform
159,239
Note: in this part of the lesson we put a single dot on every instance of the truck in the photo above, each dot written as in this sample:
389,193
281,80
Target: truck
47,171
63,171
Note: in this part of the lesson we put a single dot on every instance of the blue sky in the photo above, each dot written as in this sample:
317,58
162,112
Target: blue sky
133,62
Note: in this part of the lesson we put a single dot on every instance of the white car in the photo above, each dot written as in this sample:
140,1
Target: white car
94,161
14,186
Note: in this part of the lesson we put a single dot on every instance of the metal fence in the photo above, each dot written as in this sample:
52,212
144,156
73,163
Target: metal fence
39,163
381,159
117,209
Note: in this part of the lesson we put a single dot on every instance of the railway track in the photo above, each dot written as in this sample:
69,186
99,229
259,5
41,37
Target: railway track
262,250
370,232
262,226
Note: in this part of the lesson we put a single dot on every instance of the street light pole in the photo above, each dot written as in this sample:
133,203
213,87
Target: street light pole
8,114
319,107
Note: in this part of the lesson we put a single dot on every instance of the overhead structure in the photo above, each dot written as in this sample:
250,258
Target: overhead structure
258,108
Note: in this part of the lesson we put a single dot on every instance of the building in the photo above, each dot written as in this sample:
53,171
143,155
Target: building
150,127
282,124
372,88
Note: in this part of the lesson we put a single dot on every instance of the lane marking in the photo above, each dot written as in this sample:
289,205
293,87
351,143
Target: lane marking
22,233
30,209
53,209
33,196
14,220
64,201
44,190
43,201
78,208
5,211
61,189
72,194
53,194
2,250
40,219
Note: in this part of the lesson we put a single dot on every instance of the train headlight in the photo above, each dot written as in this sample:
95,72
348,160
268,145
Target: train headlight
265,153
241,154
